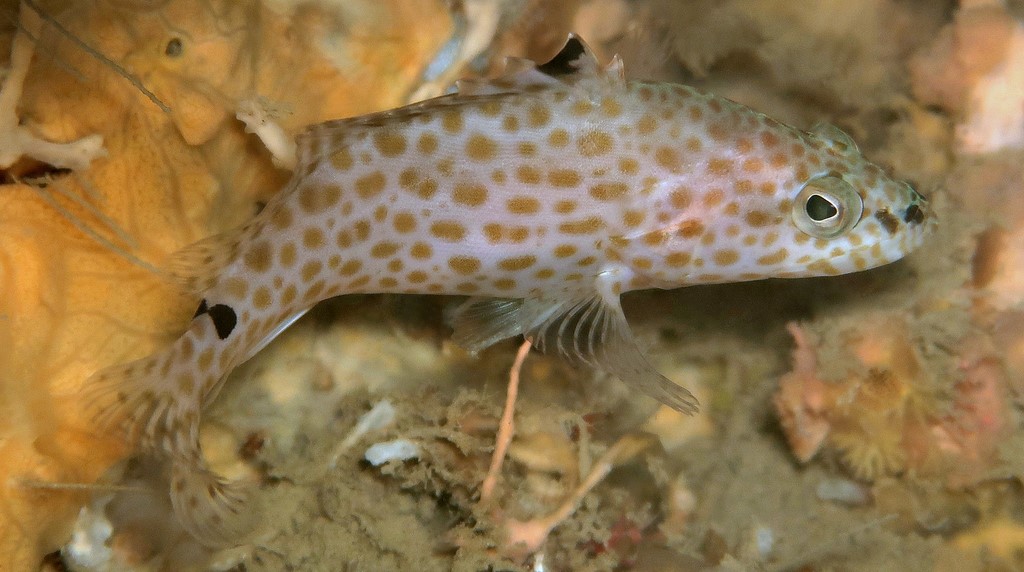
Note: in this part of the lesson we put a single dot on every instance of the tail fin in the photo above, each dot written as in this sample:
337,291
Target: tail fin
152,416
215,511
131,399
134,399
154,403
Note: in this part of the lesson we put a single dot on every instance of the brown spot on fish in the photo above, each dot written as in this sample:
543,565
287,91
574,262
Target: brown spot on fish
470,194
774,258
889,222
370,185
594,143
449,230
517,262
584,226
565,178
565,206
464,265
609,191
389,143
481,148
558,138
427,143
421,250
522,205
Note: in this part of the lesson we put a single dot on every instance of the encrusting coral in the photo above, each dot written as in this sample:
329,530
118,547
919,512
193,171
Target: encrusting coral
78,250
888,414
975,69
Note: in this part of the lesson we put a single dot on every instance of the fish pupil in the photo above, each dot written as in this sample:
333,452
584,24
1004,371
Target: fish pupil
820,209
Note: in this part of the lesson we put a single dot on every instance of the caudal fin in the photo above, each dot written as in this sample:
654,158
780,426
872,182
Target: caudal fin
215,511
133,401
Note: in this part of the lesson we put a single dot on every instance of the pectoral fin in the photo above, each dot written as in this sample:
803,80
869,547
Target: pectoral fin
585,329
620,356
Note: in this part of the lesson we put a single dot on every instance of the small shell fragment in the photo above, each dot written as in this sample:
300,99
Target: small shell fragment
842,491
397,450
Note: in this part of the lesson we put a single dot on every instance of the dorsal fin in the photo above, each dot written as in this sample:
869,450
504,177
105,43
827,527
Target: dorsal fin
575,56
577,61
321,140
573,63
195,267
834,137
520,75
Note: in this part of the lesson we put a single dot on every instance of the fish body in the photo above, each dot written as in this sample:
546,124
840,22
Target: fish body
544,195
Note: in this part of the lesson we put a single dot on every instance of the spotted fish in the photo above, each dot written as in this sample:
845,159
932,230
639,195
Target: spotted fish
543,194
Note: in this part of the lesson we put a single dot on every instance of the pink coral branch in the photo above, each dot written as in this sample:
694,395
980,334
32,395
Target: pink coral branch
507,426
527,537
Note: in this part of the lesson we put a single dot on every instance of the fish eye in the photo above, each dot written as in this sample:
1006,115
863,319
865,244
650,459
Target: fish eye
827,207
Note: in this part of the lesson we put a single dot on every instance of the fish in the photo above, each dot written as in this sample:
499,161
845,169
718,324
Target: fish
542,194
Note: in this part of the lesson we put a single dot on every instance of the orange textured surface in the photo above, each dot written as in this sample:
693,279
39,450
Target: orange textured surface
75,295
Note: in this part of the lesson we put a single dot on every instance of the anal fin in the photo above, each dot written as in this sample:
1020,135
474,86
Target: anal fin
481,322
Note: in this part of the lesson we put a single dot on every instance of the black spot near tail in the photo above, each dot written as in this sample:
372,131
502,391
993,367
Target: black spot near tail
224,319
202,309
